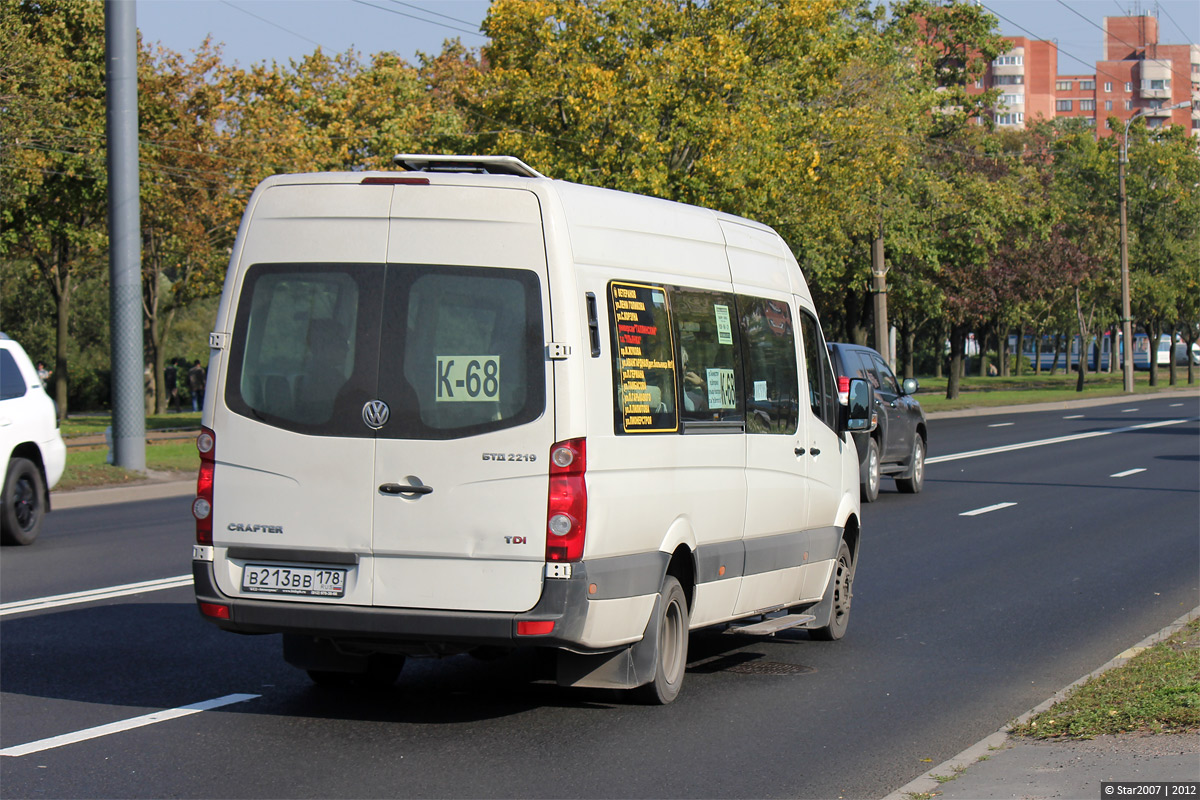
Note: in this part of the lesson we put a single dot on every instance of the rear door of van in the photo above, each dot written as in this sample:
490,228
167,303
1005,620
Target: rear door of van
461,466
387,378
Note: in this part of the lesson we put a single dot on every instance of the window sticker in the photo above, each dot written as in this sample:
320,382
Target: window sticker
760,391
643,364
722,388
468,379
724,327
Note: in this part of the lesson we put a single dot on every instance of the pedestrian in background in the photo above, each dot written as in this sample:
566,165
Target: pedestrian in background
196,381
43,374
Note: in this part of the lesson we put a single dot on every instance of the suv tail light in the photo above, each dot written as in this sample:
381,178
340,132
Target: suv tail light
566,514
843,390
206,443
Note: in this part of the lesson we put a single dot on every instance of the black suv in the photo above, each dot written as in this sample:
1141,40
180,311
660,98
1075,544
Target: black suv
897,445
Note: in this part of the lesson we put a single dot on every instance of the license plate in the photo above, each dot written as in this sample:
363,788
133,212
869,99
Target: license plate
304,581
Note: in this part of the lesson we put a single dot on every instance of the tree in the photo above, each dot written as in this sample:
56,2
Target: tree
55,198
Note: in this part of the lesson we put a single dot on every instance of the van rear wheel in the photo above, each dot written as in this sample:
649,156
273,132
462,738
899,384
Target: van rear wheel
840,586
671,657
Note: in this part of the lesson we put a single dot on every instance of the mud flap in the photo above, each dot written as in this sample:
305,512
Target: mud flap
626,668
822,612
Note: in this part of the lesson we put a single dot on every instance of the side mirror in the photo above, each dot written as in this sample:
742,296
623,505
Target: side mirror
857,414
910,386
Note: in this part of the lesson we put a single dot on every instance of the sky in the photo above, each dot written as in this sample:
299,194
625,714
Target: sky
254,31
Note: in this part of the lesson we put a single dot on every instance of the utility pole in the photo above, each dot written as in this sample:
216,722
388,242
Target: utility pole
1126,321
879,289
124,237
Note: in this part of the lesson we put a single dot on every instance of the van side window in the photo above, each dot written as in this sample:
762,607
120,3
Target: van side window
643,351
769,356
710,374
822,390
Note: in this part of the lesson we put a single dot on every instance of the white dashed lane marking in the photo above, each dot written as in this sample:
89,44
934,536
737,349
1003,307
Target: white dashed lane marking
123,725
986,510
1128,472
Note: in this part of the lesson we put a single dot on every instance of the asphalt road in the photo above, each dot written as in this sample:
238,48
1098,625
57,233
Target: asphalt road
960,623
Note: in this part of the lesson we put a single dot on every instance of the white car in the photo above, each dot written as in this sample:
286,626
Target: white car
32,452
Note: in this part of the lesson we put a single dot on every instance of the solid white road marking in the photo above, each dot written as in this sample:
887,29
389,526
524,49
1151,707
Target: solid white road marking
1128,472
1056,440
123,725
986,509
1001,424
43,603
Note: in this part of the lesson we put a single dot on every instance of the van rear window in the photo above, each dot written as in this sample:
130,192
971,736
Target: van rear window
448,351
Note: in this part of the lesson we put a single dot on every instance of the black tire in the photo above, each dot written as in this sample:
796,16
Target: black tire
382,671
916,470
671,656
840,588
24,503
870,477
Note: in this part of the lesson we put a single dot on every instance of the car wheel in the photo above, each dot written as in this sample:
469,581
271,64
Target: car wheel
671,658
21,516
869,484
840,585
916,472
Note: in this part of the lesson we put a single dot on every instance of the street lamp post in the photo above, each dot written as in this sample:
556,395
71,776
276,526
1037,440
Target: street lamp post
1126,318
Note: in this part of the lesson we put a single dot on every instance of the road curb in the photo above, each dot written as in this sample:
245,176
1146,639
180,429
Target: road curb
154,490
928,785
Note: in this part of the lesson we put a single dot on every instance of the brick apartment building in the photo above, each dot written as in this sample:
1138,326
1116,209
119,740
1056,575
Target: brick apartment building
1137,73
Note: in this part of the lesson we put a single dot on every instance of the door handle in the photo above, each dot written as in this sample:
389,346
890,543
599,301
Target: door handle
403,488
815,451
799,451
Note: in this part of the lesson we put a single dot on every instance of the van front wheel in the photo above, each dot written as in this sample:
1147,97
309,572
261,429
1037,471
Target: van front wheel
672,645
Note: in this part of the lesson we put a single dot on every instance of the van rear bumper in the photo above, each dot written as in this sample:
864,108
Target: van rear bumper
563,602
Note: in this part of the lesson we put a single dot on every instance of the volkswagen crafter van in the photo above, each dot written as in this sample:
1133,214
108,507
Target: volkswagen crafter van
466,406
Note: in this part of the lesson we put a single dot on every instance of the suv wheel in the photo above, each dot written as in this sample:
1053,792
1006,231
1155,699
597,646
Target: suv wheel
21,516
916,470
869,488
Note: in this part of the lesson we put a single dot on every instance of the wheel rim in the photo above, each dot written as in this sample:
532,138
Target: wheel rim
873,471
918,472
841,591
25,504
671,643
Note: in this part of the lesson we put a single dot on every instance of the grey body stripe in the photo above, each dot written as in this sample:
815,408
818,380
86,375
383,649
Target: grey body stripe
642,573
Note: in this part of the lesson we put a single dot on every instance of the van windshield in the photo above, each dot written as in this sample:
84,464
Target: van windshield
447,351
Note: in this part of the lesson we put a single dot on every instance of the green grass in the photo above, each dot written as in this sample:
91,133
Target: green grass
93,424
1157,691
86,467
976,392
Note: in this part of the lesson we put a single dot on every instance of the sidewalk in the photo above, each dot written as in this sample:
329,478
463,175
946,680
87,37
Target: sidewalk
1001,766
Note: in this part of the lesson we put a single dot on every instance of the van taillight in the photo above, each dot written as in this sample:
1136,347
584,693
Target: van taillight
206,443
397,180
566,515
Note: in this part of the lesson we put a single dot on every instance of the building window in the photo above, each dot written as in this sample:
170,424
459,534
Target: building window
1087,105
1009,61
1064,86
1153,85
1063,105
1087,86
1010,119
1128,105
1108,86
1108,105
1008,80
1012,99
1128,86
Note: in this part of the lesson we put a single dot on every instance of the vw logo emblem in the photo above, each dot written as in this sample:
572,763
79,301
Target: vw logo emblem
375,414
